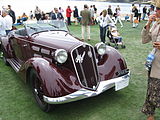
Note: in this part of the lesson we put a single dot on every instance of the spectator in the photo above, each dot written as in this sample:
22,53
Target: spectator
151,34
61,10
118,7
19,20
86,21
151,10
56,15
92,13
132,13
37,13
139,12
2,26
8,21
75,15
2,32
95,9
104,21
95,14
126,17
24,17
118,18
144,12
43,16
31,15
12,14
68,15
110,13
135,18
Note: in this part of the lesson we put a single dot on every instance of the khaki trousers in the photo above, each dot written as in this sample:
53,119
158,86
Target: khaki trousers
87,30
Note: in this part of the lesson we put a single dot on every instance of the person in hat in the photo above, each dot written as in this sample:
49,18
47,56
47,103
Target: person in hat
151,32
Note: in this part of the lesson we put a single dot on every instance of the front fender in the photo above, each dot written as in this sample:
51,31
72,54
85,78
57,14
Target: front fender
110,64
57,80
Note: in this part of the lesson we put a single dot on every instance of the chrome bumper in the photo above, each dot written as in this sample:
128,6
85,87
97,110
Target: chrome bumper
119,83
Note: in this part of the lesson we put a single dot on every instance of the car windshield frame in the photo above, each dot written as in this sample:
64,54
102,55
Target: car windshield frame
45,25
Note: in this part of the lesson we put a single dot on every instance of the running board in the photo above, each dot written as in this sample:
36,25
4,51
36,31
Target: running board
15,64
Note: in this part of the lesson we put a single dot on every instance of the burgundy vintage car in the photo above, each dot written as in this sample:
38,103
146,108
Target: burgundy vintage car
59,67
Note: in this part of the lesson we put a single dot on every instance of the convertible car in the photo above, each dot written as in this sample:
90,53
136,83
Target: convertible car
59,67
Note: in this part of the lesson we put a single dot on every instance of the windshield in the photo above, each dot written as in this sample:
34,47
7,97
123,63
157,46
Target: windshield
48,25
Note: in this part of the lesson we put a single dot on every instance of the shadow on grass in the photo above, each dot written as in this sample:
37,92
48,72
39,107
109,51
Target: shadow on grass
90,105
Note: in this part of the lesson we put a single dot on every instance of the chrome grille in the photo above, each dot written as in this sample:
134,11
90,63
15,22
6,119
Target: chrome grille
84,61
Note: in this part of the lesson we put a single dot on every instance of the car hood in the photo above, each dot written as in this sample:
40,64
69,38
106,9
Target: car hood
56,39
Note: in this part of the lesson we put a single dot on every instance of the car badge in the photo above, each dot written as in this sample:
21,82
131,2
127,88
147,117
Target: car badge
79,58
90,54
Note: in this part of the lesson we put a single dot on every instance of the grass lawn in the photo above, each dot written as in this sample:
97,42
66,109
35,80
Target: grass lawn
17,102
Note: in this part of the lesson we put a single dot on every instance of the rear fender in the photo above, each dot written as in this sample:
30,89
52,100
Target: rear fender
57,81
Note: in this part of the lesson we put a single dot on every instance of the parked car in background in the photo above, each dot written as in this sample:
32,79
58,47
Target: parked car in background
59,67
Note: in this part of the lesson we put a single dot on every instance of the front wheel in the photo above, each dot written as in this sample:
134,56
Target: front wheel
36,87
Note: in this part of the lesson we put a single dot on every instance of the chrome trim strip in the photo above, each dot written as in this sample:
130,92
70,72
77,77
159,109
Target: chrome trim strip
84,93
85,80
74,63
95,73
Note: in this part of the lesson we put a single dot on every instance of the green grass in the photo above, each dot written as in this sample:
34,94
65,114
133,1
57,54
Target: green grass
17,102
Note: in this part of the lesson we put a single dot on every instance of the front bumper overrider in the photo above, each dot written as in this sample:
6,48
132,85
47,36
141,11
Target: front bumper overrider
119,83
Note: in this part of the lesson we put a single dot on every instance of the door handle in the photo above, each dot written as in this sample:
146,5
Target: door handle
25,45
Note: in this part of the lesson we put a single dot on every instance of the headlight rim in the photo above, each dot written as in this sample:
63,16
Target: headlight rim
98,45
56,54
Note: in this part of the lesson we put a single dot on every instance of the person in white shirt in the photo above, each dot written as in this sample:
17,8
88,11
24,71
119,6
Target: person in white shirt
104,20
2,32
7,20
118,18
92,13
2,26
132,13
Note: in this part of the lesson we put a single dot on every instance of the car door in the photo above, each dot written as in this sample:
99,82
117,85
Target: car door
21,45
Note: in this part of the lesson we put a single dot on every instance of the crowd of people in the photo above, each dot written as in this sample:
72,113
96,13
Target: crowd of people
86,17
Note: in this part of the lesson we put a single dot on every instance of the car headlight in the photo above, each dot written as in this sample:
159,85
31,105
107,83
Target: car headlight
101,48
61,55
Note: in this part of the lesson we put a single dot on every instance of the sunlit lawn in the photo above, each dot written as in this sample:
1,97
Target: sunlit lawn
17,103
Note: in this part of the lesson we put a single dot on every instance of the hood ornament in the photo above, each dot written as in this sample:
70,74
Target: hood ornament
79,58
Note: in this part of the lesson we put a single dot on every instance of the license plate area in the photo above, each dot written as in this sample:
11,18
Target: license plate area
121,84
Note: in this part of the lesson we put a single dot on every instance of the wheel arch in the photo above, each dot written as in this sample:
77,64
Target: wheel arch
28,74
111,63
57,80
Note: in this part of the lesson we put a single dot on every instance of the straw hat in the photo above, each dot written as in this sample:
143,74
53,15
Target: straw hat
156,3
